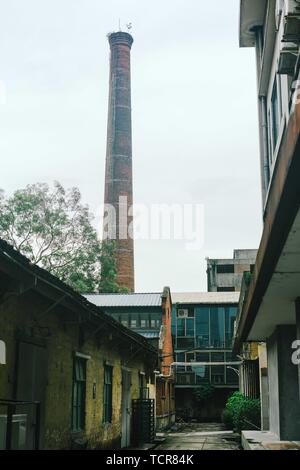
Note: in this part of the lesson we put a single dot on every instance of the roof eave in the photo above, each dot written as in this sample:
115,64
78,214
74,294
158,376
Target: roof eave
252,15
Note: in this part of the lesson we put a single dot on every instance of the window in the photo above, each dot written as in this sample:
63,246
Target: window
180,327
202,372
133,323
185,343
190,357
230,314
225,289
225,268
143,323
152,323
217,375
79,392
190,327
180,357
202,326
124,322
107,394
185,327
217,327
275,115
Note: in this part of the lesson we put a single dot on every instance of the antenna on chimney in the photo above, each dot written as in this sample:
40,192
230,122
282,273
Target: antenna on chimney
120,25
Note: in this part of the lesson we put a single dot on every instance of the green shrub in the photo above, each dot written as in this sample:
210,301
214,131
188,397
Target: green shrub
227,419
204,392
241,412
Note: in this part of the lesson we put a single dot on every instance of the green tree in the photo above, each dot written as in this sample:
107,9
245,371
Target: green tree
54,230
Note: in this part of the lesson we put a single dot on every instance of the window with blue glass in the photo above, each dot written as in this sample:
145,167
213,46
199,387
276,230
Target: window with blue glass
230,314
202,372
180,357
217,327
202,327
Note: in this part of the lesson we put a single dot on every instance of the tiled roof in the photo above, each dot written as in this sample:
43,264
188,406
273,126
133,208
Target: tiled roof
15,257
126,300
205,297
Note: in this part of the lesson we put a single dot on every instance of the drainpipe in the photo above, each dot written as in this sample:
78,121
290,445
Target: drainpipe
263,119
265,148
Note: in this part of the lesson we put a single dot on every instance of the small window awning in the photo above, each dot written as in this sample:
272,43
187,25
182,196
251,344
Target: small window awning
2,352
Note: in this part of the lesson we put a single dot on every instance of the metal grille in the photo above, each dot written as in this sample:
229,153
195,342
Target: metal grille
143,421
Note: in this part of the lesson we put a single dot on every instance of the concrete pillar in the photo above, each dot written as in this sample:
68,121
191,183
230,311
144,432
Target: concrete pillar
284,404
264,386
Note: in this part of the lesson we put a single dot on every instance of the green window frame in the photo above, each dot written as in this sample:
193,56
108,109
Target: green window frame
79,394
107,394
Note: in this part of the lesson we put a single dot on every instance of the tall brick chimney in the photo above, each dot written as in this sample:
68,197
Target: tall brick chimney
118,171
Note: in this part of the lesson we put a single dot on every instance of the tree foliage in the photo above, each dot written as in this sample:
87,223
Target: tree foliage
54,230
204,392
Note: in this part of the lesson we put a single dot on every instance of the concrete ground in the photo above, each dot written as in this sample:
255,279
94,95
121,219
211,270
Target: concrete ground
199,436
266,440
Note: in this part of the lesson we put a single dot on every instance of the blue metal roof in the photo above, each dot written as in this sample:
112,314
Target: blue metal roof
126,300
148,334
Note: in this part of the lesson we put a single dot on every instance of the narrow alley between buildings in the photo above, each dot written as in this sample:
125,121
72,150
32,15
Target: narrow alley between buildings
199,436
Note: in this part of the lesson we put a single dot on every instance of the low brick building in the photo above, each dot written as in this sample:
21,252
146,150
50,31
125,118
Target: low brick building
83,367
149,314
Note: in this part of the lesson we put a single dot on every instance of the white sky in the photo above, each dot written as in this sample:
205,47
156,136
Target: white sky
195,134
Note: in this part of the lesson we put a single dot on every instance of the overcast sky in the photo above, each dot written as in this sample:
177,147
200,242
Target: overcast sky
195,136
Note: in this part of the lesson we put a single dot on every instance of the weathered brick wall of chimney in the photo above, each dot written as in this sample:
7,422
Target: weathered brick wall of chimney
118,173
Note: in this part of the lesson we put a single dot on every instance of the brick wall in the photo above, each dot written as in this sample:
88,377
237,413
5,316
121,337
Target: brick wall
59,330
118,172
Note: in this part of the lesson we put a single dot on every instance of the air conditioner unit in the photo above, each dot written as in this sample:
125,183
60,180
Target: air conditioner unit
290,7
291,28
288,58
182,313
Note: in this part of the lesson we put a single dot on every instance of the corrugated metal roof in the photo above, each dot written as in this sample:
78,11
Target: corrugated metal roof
149,334
95,314
205,297
125,300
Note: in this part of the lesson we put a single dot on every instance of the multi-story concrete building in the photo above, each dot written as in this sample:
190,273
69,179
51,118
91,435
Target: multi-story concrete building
225,275
202,326
148,314
270,308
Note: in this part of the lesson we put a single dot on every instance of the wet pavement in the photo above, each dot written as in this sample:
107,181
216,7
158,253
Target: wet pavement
199,436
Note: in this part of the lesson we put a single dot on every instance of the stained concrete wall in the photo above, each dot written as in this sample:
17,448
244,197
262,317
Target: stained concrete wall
283,384
264,386
298,336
